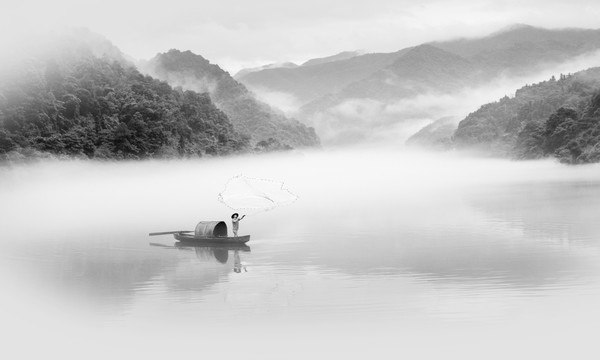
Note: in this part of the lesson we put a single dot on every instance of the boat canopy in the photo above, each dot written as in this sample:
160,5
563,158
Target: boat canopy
211,228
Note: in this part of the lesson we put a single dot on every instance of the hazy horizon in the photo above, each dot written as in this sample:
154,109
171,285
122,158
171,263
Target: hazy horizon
235,34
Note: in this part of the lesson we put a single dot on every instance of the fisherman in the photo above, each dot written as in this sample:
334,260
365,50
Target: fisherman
235,220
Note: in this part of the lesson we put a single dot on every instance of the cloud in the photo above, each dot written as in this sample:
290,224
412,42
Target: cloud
285,102
239,33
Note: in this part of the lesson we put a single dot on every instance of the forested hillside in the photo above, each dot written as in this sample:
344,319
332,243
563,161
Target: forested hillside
558,117
572,136
247,114
95,107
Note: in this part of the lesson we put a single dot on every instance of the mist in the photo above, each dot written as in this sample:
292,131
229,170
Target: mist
283,101
238,34
68,197
67,224
372,121
376,248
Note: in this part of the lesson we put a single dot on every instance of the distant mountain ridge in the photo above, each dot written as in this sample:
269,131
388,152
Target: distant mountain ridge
307,83
248,115
344,55
520,46
290,65
516,50
419,69
285,65
582,39
447,66
328,92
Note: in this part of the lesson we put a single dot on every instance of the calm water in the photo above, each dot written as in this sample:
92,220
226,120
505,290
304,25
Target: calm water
385,253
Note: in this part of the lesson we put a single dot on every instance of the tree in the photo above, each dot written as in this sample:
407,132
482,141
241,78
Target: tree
559,129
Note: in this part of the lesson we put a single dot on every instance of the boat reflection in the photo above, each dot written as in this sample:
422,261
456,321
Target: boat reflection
213,264
218,252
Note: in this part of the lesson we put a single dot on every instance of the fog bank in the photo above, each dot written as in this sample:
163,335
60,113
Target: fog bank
380,243
64,196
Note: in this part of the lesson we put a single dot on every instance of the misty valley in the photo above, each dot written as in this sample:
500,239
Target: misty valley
520,93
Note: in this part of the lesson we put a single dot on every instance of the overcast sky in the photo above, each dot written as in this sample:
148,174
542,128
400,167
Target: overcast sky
243,33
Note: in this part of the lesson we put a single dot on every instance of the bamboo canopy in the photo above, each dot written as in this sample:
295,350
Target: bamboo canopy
211,228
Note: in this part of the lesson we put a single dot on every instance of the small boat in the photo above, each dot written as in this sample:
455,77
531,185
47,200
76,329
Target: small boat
206,232
203,239
213,232
214,246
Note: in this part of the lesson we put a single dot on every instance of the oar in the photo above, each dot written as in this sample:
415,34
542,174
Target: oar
170,232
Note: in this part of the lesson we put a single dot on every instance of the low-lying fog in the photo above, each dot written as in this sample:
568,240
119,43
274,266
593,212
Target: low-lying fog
375,121
383,249
45,198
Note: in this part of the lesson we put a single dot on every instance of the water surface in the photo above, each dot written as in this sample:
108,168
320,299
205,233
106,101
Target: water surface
386,252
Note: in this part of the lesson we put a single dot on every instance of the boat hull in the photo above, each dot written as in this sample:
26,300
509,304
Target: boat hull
191,239
213,246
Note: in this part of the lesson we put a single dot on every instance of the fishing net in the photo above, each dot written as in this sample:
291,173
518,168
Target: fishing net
253,195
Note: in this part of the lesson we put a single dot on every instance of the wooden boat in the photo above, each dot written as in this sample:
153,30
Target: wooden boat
205,245
206,232
193,239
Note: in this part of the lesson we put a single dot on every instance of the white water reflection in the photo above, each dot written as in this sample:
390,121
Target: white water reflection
380,244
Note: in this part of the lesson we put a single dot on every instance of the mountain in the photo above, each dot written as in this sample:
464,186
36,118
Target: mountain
338,97
82,98
551,118
337,57
307,83
513,51
444,67
420,69
367,109
517,50
437,135
285,65
248,115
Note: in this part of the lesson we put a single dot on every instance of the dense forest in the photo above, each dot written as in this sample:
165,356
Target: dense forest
569,135
558,118
100,108
248,115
